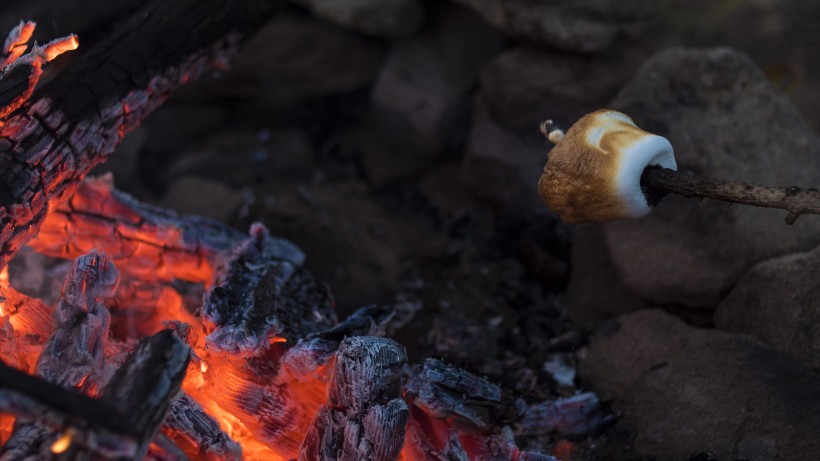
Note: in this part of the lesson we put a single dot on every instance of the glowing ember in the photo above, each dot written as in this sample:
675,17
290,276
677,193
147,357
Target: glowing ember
62,444
60,46
17,42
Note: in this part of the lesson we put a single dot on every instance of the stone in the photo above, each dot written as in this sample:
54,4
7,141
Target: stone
500,166
202,197
421,100
683,390
726,121
385,18
351,241
588,26
525,85
294,59
251,156
778,302
595,292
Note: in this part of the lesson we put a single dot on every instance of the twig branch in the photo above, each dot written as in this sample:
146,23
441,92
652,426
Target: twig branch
795,200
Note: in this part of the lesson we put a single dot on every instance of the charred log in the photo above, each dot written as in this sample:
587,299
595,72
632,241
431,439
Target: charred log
142,388
448,392
75,122
262,294
188,423
571,416
120,424
145,241
365,417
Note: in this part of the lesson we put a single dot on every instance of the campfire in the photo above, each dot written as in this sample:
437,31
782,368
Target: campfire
176,337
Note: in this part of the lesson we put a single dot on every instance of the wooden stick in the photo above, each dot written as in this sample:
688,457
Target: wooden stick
795,200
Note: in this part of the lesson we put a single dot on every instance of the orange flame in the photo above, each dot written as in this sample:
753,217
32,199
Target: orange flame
60,46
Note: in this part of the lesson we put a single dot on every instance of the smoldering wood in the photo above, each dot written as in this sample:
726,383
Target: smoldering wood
189,421
447,392
570,416
119,425
151,242
319,348
262,293
34,399
366,321
75,121
142,388
365,417
164,449
74,355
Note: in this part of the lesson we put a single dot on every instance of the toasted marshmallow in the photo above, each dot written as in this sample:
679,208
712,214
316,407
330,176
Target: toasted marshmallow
593,174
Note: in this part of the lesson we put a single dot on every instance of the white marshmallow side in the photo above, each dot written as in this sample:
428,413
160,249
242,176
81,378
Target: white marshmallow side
648,150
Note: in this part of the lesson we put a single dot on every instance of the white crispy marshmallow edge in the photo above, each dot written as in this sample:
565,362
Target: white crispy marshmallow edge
648,150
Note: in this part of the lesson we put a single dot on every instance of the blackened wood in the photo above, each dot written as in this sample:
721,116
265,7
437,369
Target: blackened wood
366,321
74,355
447,392
142,388
571,416
365,417
32,398
76,120
262,293
187,420
120,424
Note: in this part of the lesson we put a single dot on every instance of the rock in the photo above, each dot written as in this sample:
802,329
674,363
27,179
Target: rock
587,26
351,241
595,292
500,166
778,302
251,156
202,197
684,390
291,60
525,85
387,18
421,100
725,121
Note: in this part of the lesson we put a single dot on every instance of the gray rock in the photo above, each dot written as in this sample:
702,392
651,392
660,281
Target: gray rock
778,302
293,59
684,390
588,25
725,121
251,157
421,100
525,85
355,246
501,166
202,197
388,18
595,292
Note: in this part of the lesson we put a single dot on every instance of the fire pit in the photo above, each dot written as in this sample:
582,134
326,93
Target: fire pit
177,337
